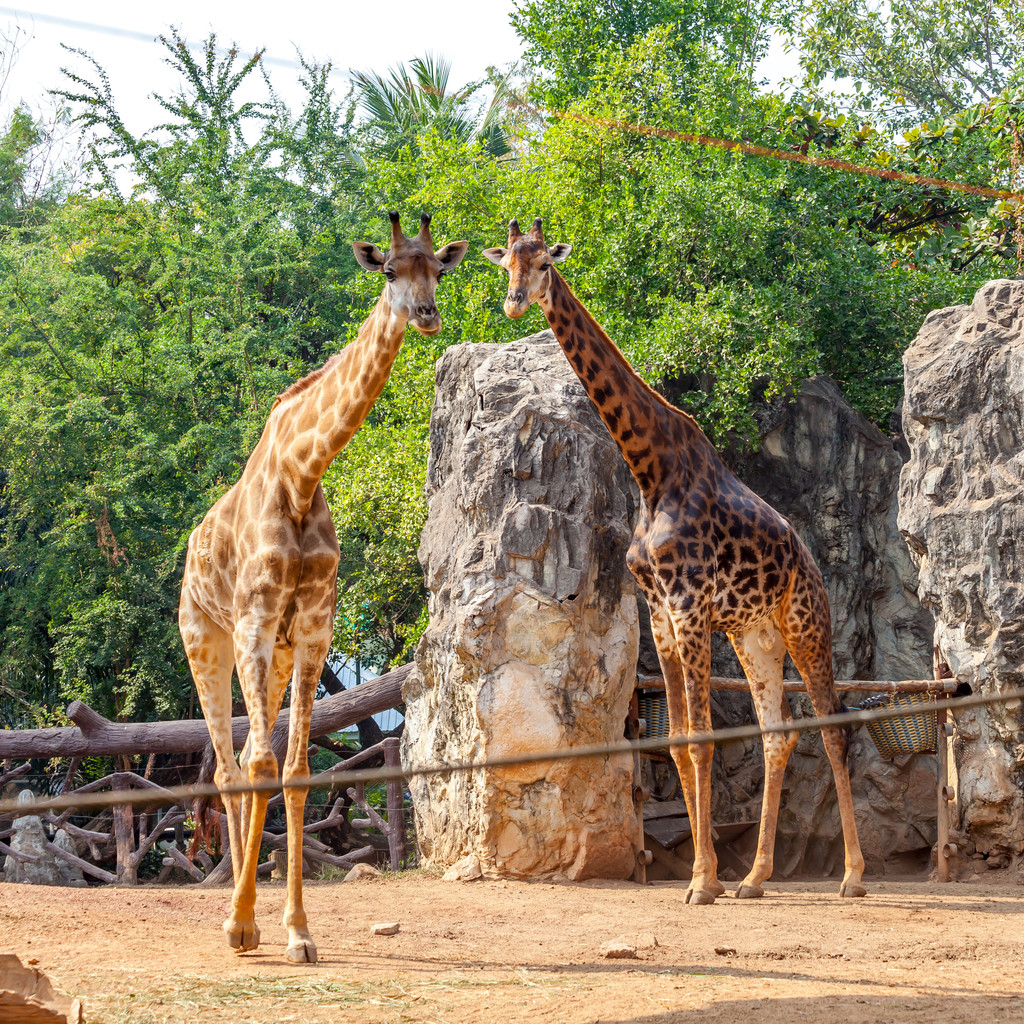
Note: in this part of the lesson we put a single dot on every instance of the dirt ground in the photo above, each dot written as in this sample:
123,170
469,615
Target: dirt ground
497,952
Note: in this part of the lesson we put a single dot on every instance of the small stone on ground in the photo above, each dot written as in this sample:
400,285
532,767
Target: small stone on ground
362,871
621,948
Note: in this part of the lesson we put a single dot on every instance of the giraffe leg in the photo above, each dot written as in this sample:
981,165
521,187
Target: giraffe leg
254,646
808,637
308,663
693,647
675,690
761,653
280,673
211,659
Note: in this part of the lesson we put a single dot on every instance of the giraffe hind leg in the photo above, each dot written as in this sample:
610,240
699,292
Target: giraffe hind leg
211,659
761,652
810,646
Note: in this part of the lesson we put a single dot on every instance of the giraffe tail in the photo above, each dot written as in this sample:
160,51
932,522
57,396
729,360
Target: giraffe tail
205,810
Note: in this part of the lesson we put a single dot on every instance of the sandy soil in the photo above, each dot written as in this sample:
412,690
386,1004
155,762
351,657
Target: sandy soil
497,952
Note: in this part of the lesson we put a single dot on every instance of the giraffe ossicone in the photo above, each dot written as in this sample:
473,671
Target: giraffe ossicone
259,590
708,554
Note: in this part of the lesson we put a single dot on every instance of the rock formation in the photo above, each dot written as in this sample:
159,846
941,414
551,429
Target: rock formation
530,505
532,642
962,513
40,865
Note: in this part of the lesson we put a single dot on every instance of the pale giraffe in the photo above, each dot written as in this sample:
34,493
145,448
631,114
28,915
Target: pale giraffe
708,554
260,577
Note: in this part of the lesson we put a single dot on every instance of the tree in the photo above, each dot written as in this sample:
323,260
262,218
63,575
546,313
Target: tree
567,41
414,99
144,339
911,60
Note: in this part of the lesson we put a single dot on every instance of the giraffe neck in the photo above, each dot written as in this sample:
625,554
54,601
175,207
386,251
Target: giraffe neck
640,421
317,416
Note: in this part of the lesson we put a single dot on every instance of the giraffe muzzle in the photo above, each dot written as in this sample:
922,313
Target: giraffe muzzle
427,320
516,304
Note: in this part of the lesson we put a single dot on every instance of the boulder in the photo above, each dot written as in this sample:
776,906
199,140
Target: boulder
532,642
531,510
962,513
36,863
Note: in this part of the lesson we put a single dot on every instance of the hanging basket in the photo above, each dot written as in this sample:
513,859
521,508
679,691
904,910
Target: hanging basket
653,708
911,734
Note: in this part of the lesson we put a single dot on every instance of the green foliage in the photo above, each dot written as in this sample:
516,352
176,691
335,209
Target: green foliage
912,59
143,343
415,99
566,42
148,324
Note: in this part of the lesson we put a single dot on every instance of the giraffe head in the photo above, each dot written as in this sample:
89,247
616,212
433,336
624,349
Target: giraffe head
412,270
529,262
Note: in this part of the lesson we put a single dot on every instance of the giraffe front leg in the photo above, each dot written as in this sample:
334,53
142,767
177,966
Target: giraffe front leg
301,948
211,659
693,649
761,653
254,649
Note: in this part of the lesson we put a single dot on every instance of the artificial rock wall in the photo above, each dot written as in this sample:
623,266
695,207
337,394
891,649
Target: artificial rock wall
962,513
532,642
533,623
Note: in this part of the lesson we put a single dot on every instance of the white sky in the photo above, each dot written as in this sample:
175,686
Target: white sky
354,34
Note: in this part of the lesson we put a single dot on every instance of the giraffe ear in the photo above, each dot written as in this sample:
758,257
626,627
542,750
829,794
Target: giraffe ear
450,255
495,255
368,256
559,251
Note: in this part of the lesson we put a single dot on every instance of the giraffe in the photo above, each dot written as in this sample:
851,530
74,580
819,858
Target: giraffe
708,554
259,589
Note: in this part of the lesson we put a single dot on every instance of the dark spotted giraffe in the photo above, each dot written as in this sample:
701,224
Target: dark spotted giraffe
708,555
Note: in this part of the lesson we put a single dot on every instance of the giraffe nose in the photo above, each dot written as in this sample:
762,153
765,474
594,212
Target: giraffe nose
426,310
517,297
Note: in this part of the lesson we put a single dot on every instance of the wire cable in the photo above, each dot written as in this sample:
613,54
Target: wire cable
324,780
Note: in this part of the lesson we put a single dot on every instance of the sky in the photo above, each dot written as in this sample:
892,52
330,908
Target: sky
353,34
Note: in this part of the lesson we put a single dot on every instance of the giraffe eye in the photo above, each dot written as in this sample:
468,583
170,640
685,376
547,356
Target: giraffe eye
389,274
546,266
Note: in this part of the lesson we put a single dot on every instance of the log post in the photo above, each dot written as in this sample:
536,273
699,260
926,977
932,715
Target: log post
124,832
395,804
942,843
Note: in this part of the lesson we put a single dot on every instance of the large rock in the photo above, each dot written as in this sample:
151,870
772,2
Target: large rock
962,512
40,866
532,642
516,515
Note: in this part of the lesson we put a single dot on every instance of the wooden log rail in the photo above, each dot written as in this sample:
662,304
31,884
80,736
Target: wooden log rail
96,736
132,836
657,682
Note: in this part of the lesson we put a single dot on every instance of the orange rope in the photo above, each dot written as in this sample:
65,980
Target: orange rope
774,154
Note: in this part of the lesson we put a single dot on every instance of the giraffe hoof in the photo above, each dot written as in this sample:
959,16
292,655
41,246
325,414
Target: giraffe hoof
852,889
242,936
749,892
302,952
700,897
715,888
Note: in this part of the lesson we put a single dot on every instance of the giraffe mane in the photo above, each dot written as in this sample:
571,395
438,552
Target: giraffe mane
305,383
